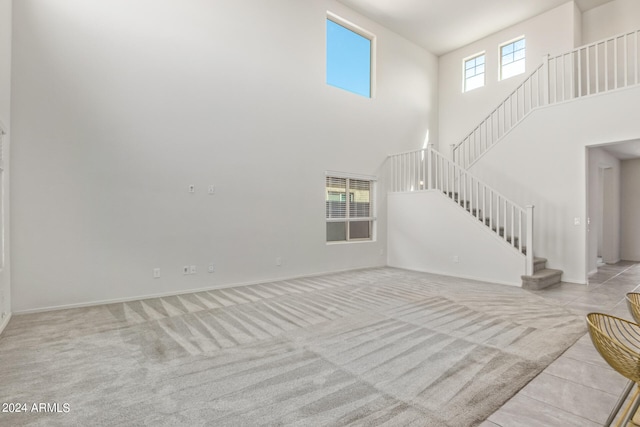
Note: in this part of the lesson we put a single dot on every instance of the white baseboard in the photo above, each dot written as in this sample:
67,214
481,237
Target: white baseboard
187,291
458,276
5,322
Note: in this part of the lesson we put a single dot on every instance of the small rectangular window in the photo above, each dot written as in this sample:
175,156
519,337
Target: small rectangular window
473,72
349,53
512,58
352,220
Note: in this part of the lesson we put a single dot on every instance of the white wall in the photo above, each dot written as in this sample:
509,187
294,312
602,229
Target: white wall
610,19
5,120
119,106
429,232
630,212
577,26
553,32
603,198
543,162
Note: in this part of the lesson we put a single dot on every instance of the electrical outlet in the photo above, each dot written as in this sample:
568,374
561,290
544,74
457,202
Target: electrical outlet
192,188
185,269
212,268
576,221
192,269
156,273
212,189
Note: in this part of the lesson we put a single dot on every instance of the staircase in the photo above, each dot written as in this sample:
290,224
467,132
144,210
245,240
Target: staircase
476,212
542,276
607,65
427,169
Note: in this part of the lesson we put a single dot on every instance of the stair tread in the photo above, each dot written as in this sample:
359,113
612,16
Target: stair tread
541,279
543,274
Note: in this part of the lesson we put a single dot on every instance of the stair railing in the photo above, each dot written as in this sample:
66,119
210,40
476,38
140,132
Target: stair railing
529,95
602,66
427,169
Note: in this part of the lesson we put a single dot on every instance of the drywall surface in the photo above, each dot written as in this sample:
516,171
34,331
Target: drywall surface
611,18
577,26
5,61
429,232
119,106
543,162
630,210
5,123
603,198
460,112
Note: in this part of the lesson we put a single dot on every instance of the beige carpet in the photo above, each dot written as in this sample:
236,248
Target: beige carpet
373,347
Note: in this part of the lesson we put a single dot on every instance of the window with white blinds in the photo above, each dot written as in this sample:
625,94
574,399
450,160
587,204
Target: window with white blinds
349,209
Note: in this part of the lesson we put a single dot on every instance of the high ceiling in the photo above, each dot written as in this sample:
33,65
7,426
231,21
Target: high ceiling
441,26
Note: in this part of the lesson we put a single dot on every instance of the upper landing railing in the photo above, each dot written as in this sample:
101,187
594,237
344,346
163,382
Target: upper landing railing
599,67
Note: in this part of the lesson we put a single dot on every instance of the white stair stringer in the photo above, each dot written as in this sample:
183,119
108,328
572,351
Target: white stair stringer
506,224
429,232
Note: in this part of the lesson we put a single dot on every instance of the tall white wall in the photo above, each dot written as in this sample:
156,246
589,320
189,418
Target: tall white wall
5,120
610,19
543,162
119,106
552,33
577,26
603,198
630,210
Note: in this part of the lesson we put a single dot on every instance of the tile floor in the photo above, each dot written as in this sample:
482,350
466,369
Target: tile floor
579,388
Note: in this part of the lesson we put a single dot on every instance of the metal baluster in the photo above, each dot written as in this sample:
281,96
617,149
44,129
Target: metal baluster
635,54
588,59
606,68
564,73
520,230
580,72
626,64
484,203
513,217
504,217
615,63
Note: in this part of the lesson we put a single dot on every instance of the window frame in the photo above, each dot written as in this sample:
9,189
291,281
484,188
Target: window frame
336,19
464,71
347,219
500,57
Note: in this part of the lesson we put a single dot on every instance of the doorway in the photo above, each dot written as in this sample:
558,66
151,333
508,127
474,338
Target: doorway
607,251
